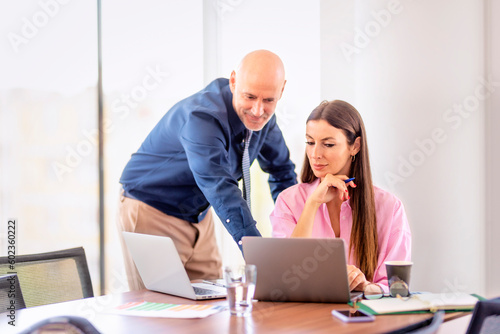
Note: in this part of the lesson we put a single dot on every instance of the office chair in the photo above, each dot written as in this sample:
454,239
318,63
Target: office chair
432,327
485,317
52,277
11,296
63,325
429,326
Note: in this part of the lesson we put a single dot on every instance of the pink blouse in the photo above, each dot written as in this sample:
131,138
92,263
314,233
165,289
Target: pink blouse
394,235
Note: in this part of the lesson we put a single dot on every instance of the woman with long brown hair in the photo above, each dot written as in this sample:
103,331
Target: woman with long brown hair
371,221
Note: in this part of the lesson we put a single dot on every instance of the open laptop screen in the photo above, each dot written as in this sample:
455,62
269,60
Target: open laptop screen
298,269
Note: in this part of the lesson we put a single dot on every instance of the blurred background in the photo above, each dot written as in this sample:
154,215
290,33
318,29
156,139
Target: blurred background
425,75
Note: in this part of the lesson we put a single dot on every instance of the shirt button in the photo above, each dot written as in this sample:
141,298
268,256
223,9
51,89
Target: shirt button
228,220
239,242
343,217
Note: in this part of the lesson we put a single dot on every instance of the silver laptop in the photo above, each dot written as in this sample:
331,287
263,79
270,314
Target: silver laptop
299,269
161,268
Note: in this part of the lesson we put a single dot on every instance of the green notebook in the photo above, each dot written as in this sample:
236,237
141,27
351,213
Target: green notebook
421,303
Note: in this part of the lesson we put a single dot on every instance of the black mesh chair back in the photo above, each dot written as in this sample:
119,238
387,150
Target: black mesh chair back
11,295
52,277
485,317
432,327
429,326
62,325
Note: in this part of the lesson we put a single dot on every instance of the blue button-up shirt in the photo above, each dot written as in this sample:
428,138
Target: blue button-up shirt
192,159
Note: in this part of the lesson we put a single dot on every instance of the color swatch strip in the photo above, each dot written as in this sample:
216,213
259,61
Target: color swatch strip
164,310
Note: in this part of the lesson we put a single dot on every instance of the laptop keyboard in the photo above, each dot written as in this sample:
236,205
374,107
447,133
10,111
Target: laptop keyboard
204,292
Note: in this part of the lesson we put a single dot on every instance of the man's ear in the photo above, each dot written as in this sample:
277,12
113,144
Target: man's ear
232,81
282,89
356,147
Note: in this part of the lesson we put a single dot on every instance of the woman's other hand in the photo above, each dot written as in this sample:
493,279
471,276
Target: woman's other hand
356,278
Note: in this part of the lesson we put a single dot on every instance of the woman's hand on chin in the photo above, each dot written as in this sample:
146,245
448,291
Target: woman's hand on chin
331,186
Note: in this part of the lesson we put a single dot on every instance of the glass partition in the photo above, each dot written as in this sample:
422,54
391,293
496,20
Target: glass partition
48,122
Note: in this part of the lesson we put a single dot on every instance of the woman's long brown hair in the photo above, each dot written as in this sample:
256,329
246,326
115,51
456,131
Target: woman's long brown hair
364,240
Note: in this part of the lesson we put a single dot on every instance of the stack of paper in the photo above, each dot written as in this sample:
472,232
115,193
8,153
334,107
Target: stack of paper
422,302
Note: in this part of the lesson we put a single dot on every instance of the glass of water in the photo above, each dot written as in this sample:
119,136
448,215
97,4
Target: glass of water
240,283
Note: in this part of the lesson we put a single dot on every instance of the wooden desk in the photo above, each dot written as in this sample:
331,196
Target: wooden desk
266,317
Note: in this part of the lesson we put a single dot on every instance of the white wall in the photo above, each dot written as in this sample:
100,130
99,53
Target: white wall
492,11
412,62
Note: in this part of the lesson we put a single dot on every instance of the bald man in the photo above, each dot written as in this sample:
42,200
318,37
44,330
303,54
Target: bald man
192,160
